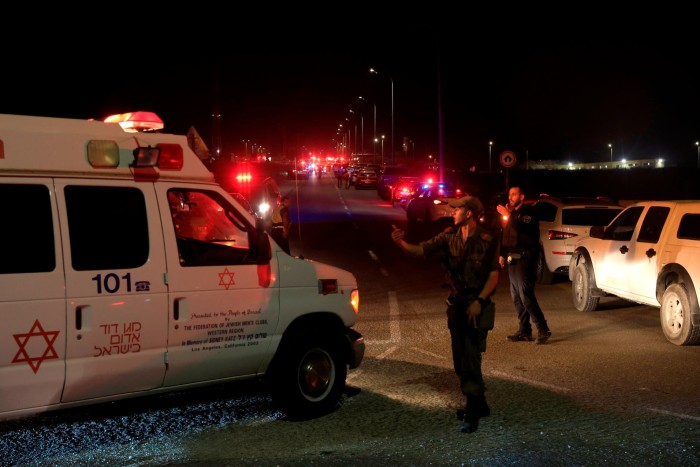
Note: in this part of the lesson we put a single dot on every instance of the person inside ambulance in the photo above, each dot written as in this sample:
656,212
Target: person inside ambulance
199,219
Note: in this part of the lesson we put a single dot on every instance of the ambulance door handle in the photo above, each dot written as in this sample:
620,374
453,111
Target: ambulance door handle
79,316
179,308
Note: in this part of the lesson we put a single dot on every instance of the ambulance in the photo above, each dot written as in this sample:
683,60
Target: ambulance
126,270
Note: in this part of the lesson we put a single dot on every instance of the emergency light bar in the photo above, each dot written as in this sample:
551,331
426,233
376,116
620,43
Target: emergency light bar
137,121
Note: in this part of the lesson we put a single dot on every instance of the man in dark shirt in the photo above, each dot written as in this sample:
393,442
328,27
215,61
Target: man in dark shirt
470,255
519,248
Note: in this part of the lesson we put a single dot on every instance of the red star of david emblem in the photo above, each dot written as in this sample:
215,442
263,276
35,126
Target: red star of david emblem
226,278
36,332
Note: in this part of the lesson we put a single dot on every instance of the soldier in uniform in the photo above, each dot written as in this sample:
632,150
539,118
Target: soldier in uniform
470,256
519,249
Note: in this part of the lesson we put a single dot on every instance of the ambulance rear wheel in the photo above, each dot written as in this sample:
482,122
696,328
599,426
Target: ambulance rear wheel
309,379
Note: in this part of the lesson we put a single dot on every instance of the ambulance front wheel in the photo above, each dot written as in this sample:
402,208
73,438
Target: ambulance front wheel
309,378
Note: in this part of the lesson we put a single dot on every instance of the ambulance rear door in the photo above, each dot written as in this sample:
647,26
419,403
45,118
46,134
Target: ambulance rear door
224,305
116,294
32,296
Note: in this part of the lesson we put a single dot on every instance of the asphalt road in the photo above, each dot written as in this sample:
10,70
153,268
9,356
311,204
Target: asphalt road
606,389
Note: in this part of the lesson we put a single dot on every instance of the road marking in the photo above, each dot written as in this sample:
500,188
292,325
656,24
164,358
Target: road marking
529,382
394,322
394,318
674,414
429,354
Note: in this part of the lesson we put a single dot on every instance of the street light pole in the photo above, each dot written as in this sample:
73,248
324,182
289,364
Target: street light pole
490,144
391,80
610,146
697,143
383,150
374,134
362,133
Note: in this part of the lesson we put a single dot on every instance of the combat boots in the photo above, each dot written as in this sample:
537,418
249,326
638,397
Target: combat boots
476,408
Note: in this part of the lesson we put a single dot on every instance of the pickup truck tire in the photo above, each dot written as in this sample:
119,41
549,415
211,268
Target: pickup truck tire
675,317
309,378
581,289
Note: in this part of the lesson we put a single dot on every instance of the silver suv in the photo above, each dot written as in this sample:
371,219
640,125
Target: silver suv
563,221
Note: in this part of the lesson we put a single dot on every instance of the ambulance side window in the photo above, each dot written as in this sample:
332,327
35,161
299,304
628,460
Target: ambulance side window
210,232
108,227
27,236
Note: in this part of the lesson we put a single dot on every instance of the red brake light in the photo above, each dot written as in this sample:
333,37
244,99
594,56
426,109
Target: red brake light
557,235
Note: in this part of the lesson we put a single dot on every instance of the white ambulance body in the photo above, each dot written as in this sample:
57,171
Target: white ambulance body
126,270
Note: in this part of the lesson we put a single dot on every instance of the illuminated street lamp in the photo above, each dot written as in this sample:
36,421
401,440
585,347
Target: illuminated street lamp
610,146
246,141
490,144
697,143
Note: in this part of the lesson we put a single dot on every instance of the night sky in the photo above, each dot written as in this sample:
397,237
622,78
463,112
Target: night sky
552,87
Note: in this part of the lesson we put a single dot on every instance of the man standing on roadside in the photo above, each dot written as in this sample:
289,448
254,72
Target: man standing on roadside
340,175
519,248
470,255
282,224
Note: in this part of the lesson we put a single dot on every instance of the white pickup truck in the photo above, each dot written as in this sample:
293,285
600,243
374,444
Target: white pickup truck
648,254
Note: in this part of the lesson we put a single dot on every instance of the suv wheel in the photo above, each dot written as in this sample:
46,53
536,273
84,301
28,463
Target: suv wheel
676,321
581,289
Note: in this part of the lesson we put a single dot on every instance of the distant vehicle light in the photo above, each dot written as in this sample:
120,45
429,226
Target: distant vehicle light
263,208
244,177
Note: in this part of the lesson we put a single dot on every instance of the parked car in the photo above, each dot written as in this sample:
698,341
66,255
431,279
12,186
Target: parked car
404,189
648,254
299,173
563,221
388,178
354,171
431,203
366,179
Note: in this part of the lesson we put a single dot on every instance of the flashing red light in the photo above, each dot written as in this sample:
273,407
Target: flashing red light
137,121
244,178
